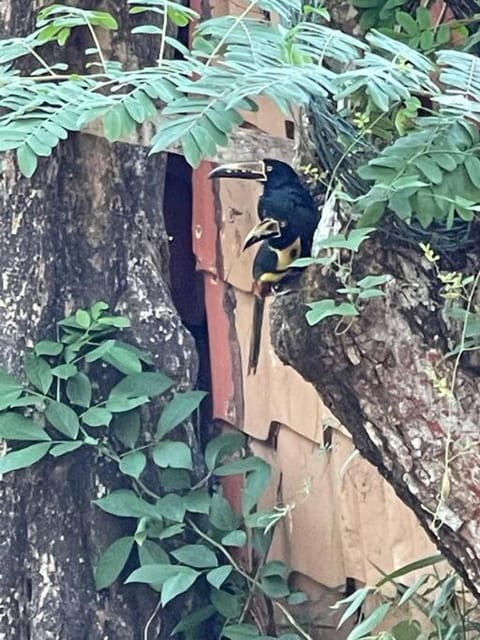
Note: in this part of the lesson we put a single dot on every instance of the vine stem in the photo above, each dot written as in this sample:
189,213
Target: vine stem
248,578
161,53
151,619
447,458
97,45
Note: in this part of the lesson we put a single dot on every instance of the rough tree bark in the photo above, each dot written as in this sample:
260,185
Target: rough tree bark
373,377
88,226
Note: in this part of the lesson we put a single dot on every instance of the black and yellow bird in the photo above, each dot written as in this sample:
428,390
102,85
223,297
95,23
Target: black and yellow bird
288,219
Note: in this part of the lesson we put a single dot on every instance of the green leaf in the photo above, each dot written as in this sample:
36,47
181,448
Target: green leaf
48,348
227,604
297,597
372,621
97,417
145,383
407,630
237,538
241,632
126,427
198,501
430,169
23,457
472,165
122,358
172,454
63,418
196,555
83,319
223,445
158,573
428,561
64,371
65,447
120,404
10,398
373,281
133,464
97,309
177,410
38,372
326,308
354,601
406,21
14,426
112,561
172,507
191,621
178,584
216,577
275,587
126,504
98,352
79,390
222,516
152,553
27,160
172,531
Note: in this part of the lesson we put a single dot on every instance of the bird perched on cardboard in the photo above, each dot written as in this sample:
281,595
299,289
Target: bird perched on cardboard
288,219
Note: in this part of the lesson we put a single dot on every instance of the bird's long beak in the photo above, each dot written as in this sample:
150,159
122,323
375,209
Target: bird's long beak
267,228
248,170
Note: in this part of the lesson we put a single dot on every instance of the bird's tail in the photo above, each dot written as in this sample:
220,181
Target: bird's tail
256,335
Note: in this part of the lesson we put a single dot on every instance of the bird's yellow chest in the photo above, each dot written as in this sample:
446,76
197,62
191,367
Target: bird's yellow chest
284,258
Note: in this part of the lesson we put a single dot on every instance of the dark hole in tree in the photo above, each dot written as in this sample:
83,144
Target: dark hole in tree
187,283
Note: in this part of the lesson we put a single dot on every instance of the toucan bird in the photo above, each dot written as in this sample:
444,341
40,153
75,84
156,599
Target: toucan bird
288,219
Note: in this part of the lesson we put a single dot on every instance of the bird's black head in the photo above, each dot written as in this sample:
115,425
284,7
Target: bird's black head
274,172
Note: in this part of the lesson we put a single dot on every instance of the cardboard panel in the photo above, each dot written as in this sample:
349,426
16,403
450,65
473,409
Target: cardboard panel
276,393
344,519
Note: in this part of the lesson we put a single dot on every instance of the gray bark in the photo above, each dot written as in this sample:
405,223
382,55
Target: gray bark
373,377
88,226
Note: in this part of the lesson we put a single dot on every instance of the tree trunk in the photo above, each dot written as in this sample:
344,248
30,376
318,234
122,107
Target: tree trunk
374,378
88,226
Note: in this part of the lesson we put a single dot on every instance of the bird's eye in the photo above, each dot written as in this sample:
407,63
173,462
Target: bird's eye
269,168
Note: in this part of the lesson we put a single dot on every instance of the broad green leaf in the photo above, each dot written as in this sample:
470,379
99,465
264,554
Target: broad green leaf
196,555
97,417
275,587
172,454
237,538
158,573
63,418
274,568
126,504
222,516
120,404
48,348
118,322
38,372
372,621
97,309
64,371
297,597
112,561
83,319
241,632
22,458
224,444
198,501
133,464
9,398
152,553
27,160
227,604
326,308
79,390
172,531
99,351
241,465
65,447
472,165
145,383
122,358
191,621
172,507
126,427
407,630
178,584
177,410
430,169
14,426
216,577
373,281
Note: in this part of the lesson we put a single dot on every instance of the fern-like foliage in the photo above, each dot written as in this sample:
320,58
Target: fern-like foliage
295,59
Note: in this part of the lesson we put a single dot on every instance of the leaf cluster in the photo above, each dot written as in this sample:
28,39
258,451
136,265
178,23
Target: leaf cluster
182,530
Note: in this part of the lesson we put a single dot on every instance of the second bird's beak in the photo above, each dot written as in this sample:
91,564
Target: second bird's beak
268,228
248,170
